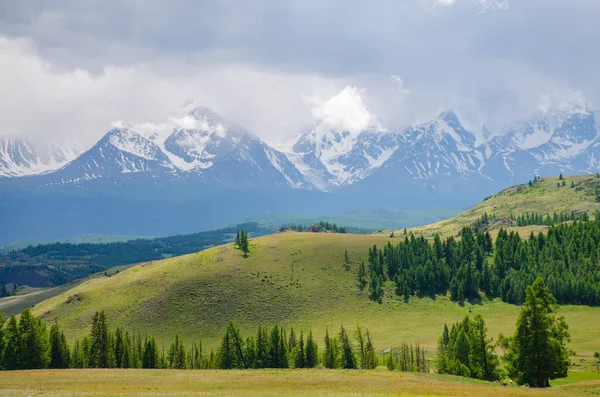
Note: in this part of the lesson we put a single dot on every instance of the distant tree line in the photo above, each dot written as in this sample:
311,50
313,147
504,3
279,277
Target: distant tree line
566,258
530,219
64,262
321,227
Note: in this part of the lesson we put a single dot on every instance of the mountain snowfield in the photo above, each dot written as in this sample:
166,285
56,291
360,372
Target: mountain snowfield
346,146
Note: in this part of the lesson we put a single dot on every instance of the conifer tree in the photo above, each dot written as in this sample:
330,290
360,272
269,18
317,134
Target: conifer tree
538,351
329,356
348,361
262,348
362,276
34,342
101,352
299,353
312,352
151,357
12,352
59,350
3,291
370,355
119,347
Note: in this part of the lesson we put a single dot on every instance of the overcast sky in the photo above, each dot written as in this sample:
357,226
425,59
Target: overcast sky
70,68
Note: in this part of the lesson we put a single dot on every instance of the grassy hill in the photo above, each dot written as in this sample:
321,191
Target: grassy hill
289,278
545,196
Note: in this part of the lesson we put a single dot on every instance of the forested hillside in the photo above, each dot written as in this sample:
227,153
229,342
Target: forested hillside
566,257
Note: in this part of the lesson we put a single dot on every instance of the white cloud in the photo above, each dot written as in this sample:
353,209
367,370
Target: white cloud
42,101
344,111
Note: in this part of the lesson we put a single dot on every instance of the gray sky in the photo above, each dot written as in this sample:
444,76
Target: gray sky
70,68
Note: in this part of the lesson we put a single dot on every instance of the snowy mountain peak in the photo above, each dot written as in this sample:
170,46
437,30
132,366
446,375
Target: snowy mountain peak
20,156
445,129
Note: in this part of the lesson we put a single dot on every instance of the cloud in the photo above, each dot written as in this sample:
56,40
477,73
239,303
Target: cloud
42,101
344,111
69,68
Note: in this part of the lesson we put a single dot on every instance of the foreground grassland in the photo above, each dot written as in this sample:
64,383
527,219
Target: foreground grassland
543,198
70,383
290,279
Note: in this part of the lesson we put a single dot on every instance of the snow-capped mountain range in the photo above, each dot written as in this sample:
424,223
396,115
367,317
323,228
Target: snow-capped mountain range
207,150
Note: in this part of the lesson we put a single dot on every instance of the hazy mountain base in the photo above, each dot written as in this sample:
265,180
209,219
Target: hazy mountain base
376,219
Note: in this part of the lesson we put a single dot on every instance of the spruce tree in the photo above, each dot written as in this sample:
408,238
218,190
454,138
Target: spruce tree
538,352
312,352
370,355
329,356
59,351
34,342
348,361
101,352
362,276
12,352
151,357
3,291
299,353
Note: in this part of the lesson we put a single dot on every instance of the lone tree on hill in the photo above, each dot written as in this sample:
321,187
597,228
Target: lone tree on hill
241,242
538,350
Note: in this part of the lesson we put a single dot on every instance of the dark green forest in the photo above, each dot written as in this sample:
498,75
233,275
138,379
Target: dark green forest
566,258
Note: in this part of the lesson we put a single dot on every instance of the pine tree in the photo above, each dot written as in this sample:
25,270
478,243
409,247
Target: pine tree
119,347
362,276
329,356
231,352
59,351
101,353
360,339
348,361
244,243
262,348
151,357
370,355
3,291
312,352
34,342
237,240
572,184
538,351
12,352
299,353
346,260
560,177
177,357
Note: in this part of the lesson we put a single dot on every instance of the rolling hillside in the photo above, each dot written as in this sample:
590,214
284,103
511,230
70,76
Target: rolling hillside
545,196
294,279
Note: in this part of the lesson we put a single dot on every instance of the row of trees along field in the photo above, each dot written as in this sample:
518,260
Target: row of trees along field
25,343
566,258
535,354
531,218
